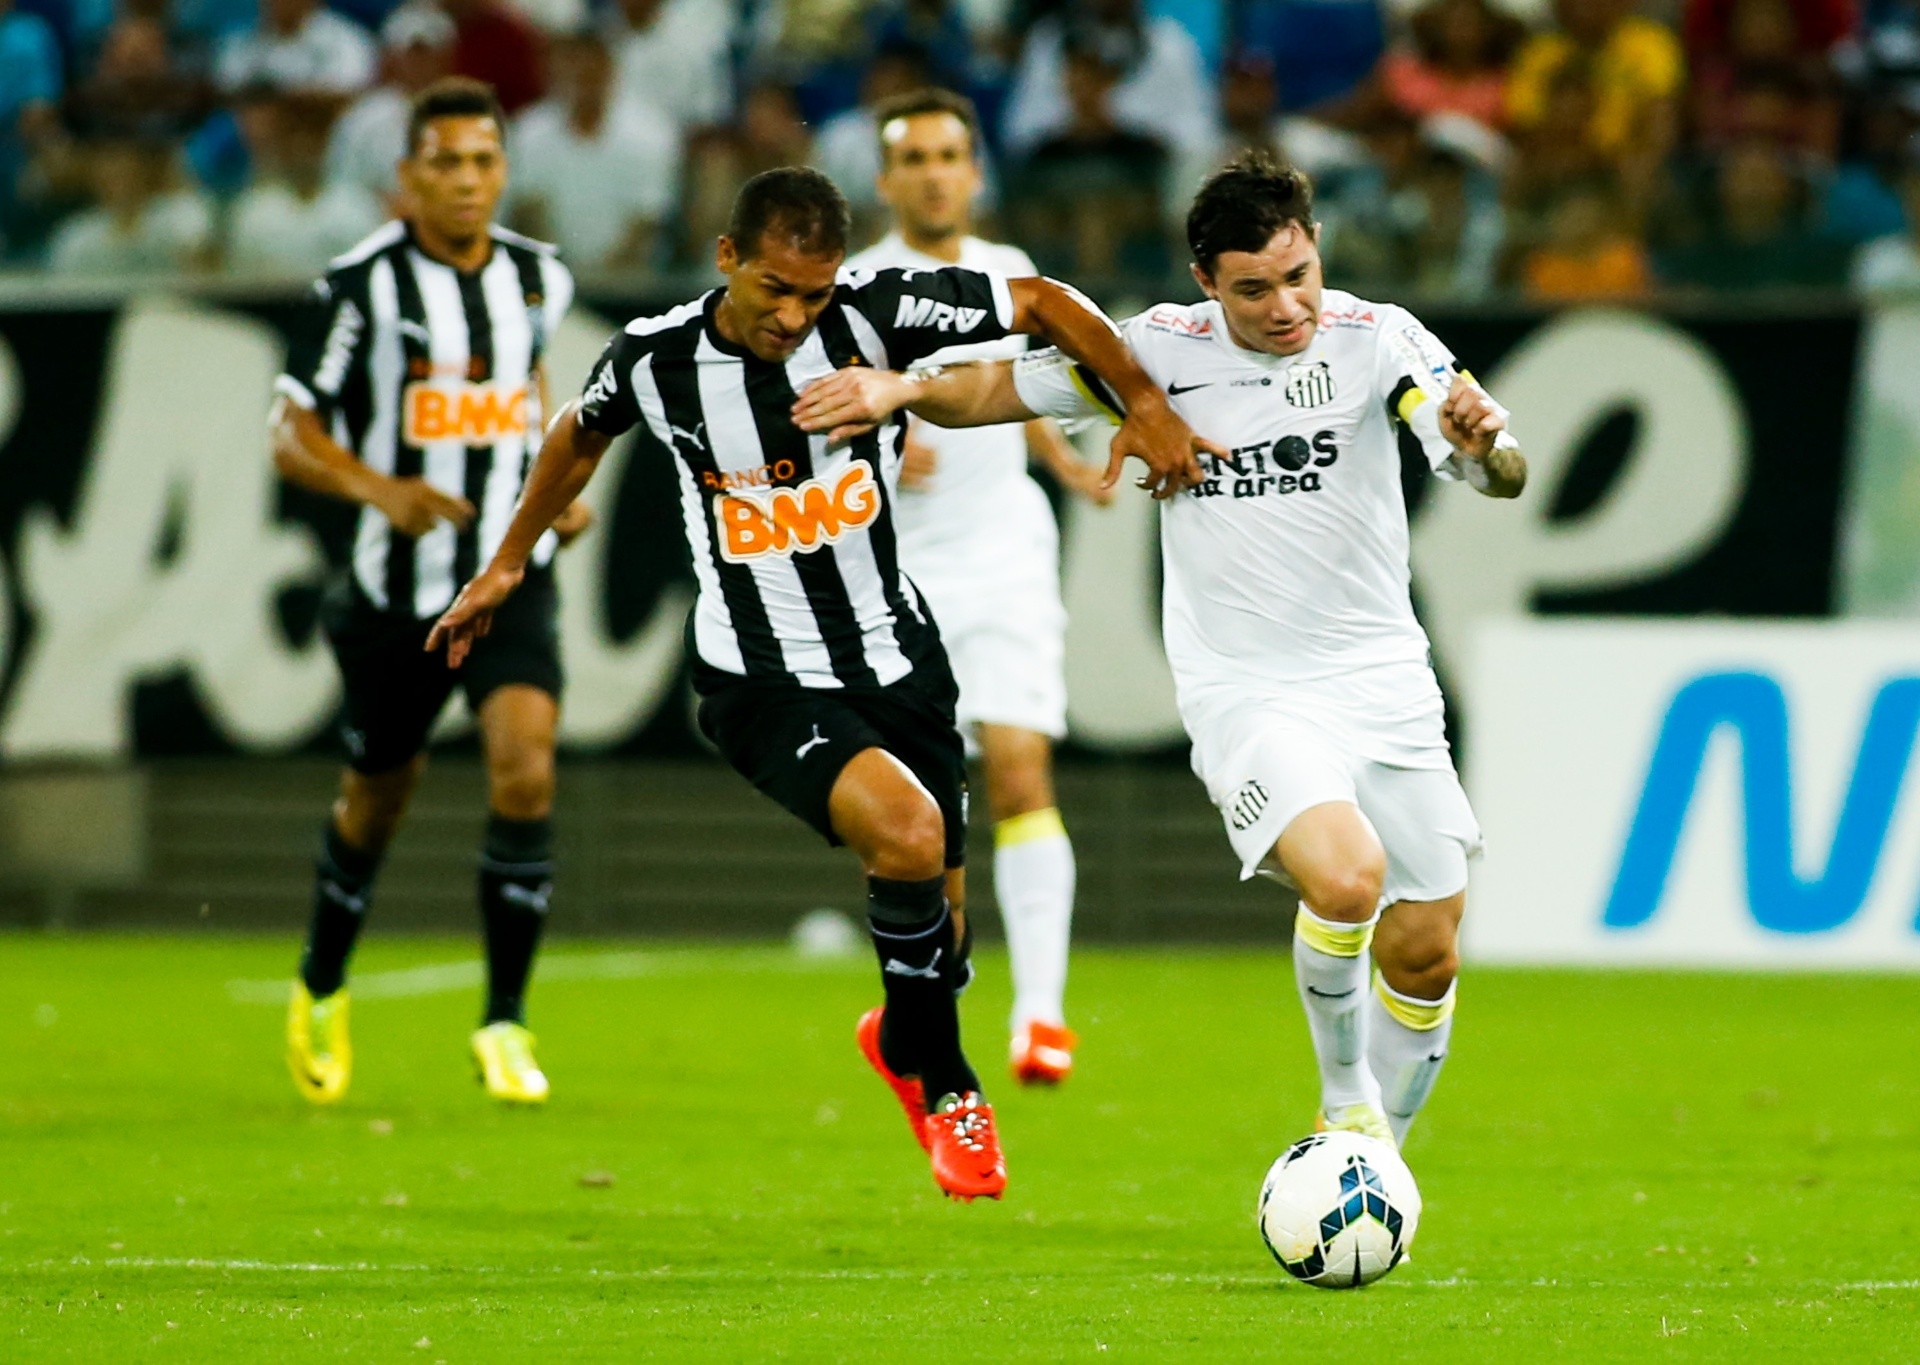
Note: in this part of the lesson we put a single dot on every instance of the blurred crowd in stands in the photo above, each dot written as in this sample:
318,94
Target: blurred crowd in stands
1554,149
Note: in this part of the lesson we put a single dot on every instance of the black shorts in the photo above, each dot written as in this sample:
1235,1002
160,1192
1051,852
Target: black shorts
395,690
791,741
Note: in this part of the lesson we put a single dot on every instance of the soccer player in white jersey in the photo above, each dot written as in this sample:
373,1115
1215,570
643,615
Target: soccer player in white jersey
978,538
1303,677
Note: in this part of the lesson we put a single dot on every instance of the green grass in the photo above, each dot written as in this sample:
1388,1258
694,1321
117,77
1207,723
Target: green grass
1617,1167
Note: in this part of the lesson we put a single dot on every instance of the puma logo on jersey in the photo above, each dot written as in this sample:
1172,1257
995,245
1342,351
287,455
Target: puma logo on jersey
697,438
942,317
782,521
472,414
812,744
416,331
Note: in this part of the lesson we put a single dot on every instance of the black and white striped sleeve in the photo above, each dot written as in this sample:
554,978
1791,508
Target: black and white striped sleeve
329,344
918,312
608,404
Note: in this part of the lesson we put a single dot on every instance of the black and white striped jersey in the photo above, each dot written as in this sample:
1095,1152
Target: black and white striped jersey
792,542
426,371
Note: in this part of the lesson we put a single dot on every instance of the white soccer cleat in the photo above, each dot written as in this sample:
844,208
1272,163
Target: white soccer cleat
1356,1118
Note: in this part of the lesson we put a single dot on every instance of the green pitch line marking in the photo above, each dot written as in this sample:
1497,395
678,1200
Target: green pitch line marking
441,978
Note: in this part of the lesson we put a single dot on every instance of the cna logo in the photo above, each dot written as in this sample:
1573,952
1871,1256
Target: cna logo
942,317
1753,707
473,414
783,521
1175,321
1347,317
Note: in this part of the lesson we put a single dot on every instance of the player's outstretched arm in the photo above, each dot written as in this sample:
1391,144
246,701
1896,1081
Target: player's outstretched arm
306,455
855,400
567,460
1153,432
1476,427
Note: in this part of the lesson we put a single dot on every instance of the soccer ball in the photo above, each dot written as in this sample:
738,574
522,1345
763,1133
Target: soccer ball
1339,1209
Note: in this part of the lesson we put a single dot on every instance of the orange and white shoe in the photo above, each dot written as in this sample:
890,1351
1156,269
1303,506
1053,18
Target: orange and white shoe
967,1162
907,1090
1042,1054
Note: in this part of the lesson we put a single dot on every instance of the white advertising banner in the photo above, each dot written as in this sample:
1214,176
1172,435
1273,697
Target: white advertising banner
1693,793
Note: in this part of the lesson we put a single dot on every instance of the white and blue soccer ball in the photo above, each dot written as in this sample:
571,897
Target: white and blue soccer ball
1339,1209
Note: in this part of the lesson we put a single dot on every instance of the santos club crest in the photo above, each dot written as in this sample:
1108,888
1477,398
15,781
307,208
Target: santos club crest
1308,386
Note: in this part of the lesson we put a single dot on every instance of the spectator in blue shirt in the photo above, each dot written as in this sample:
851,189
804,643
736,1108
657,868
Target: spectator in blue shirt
30,88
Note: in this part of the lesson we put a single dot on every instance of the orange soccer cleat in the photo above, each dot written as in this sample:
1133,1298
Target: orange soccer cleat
912,1098
966,1150
1043,1053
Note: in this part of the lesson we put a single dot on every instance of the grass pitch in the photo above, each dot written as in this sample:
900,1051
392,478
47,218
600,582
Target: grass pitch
1616,1167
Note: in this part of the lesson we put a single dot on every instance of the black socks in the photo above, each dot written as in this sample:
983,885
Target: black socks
922,972
516,880
342,888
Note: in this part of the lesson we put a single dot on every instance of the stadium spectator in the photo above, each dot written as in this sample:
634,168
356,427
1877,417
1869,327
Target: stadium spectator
494,44
1322,50
1637,72
1759,69
292,220
1589,249
1089,196
593,168
1159,91
1454,61
673,55
847,145
1861,199
1250,118
1552,157
938,29
1423,215
769,132
1762,235
140,85
141,222
31,80
371,136
1893,261
298,46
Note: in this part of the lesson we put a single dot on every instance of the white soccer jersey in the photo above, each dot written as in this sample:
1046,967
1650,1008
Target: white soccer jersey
1289,564
959,522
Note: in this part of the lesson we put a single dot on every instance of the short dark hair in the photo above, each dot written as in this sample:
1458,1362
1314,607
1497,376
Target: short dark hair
1244,203
931,100
800,204
453,97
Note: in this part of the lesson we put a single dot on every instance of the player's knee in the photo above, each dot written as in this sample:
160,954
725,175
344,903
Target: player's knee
1421,961
520,786
1349,893
915,846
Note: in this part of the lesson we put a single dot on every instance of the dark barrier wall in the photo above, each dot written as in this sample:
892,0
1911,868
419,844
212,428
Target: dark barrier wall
161,586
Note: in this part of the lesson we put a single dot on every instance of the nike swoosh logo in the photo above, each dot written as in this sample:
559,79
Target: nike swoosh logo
1175,390
1332,995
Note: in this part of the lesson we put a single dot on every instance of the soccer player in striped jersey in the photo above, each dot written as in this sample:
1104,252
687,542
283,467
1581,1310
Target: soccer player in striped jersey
820,670
417,397
1302,674
979,541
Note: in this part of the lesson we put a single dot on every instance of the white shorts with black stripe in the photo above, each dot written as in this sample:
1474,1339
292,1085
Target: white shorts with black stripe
1375,740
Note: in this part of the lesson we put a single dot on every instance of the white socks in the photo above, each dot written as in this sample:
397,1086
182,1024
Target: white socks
1330,963
1406,1046
1033,876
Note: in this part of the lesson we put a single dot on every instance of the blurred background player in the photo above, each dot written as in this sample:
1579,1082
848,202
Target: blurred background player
1303,677
416,400
977,537
820,673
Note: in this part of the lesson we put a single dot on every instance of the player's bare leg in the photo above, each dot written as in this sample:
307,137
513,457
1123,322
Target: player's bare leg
517,728
359,828
1410,1018
1334,857
1033,878
893,824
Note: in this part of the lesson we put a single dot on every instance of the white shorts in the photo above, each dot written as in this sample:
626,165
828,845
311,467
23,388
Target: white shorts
996,599
1268,753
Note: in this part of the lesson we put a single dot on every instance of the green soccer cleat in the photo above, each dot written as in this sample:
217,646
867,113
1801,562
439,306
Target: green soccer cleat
319,1049
1356,1118
503,1054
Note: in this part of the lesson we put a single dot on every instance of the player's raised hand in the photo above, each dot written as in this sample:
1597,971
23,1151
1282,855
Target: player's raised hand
1470,419
471,615
1156,435
415,507
851,402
